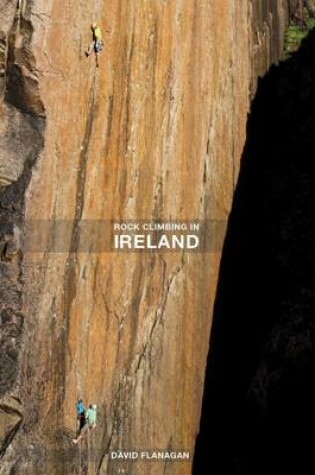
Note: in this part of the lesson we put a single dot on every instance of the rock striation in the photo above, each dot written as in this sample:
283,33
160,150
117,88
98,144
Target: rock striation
156,132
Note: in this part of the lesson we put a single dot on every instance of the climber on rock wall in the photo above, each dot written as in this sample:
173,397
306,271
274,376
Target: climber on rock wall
80,413
90,417
97,43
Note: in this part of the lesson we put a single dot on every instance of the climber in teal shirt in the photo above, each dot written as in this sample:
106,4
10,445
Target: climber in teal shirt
90,417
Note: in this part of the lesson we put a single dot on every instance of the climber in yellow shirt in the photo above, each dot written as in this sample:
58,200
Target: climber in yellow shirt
97,43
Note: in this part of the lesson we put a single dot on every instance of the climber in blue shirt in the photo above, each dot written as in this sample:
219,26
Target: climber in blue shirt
80,414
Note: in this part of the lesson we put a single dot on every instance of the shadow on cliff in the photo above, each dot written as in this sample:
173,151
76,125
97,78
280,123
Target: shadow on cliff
258,410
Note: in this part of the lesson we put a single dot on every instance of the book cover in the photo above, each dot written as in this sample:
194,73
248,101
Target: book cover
156,236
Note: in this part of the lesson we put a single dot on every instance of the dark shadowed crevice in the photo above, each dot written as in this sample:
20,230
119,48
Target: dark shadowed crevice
22,78
8,439
70,277
61,351
258,408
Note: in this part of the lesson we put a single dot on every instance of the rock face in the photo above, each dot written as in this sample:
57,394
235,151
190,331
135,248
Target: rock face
156,132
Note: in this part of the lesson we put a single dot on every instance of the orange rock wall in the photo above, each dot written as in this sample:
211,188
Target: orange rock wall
156,132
